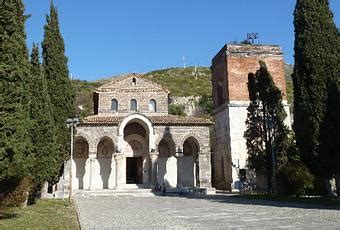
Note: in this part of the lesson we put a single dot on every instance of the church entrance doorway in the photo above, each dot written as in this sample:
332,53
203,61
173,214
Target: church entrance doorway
134,170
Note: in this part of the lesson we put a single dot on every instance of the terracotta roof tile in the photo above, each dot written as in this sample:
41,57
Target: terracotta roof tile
156,120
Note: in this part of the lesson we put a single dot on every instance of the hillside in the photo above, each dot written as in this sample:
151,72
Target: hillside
182,82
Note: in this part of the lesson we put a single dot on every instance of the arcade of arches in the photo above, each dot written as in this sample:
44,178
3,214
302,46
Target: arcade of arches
141,151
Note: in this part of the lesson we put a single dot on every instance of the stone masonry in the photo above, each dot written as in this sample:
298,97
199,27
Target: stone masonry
141,145
230,69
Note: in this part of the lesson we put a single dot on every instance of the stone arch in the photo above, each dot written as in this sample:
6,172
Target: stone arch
100,135
135,137
167,162
168,141
189,167
105,151
142,120
195,138
88,138
80,156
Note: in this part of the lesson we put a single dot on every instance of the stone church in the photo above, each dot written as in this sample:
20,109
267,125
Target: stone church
132,140
230,68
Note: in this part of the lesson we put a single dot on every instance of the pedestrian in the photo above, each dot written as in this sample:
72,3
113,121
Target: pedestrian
163,189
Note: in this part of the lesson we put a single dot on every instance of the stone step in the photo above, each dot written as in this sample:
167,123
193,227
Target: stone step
114,192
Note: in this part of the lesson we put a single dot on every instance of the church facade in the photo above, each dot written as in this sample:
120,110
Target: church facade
131,139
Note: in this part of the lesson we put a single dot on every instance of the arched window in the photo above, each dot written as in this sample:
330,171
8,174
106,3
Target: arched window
114,105
152,105
133,105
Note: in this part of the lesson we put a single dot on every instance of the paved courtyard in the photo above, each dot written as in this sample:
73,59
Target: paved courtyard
206,212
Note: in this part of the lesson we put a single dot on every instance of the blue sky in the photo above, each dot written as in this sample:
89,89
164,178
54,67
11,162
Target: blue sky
105,37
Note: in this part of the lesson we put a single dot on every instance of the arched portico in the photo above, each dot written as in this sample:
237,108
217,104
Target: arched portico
188,170
80,158
167,162
105,178
141,120
135,136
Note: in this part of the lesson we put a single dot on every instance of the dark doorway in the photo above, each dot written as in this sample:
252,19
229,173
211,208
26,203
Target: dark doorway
134,170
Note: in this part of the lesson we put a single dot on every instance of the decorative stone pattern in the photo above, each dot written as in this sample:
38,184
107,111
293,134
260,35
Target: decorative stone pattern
230,69
116,148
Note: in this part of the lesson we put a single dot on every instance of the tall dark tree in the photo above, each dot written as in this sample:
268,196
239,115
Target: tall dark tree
58,83
266,135
316,63
15,143
42,129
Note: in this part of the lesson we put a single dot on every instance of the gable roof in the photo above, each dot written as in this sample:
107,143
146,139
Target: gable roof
114,83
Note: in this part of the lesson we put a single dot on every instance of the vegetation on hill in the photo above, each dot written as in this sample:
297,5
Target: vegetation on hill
182,82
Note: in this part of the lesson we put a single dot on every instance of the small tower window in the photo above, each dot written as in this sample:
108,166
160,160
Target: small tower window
134,81
152,105
114,105
133,105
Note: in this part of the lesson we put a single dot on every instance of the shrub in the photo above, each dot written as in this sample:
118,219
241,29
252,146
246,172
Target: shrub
176,110
295,179
18,191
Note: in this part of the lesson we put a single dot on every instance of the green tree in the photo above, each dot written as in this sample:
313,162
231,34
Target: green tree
266,134
316,63
206,103
14,74
58,83
15,144
45,167
329,156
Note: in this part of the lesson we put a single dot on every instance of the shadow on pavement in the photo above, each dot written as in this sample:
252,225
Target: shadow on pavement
237,199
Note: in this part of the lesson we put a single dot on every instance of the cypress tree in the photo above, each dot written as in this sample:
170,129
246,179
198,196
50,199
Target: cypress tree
316,63
58,83
42,130
15,143
266,134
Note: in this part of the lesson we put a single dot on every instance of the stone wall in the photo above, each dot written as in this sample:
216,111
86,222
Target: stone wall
124,90
191,107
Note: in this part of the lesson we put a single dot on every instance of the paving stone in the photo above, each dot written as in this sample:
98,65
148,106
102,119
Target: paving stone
205,212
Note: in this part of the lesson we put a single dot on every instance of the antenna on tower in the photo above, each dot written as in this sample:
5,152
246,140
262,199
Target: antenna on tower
253,37
183,59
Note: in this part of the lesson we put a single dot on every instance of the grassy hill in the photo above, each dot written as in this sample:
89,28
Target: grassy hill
183,82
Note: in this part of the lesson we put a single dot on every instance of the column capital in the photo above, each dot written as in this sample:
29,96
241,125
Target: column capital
179,154
154,156
118,156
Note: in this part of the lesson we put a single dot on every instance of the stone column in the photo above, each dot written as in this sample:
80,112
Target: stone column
179,156
153,157
91,180
204,168
119,169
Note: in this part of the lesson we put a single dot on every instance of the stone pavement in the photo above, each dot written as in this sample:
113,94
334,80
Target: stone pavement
205,212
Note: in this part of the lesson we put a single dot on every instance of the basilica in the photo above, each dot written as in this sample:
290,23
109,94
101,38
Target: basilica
132,140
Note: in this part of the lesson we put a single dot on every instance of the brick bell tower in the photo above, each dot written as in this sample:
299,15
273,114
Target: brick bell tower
230,68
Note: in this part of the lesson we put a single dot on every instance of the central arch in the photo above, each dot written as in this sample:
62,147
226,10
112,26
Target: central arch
136,135
141,120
